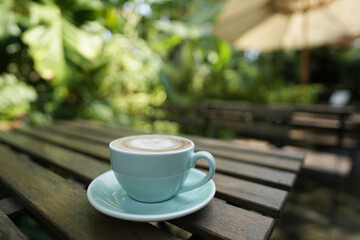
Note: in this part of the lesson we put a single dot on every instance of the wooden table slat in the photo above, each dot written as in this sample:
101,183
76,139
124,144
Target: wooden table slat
63,158
266,161
267,176
209,142
102,128
232,146
72,143
248,195
8,230
84,133
74,162
10,206
259,174
261,157
250,182
71,161
241,225
65,205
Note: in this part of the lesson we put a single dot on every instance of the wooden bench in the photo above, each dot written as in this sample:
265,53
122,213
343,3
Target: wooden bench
268,122
324,125
191,118
252,185
309,125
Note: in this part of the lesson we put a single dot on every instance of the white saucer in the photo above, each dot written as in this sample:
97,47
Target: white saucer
107,196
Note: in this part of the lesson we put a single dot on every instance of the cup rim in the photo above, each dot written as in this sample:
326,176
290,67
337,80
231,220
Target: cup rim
151,153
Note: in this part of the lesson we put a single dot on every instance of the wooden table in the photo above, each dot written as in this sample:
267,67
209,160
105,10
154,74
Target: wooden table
47,169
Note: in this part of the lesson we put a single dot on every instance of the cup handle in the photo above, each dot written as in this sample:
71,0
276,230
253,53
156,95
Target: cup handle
194,158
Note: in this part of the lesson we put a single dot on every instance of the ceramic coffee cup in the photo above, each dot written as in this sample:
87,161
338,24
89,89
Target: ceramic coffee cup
153,168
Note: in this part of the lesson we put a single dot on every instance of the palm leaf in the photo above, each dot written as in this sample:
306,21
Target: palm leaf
54,42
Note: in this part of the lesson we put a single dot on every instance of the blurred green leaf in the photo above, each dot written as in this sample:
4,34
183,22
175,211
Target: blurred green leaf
8,23
295,94
15,97
55,42
184,30
45,41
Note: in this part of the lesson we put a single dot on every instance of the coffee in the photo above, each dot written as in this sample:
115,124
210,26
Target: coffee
152,143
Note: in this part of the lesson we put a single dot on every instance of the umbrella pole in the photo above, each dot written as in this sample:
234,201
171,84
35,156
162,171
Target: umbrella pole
304,71
304,54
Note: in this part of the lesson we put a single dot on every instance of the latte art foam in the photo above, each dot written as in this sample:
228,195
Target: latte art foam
152,143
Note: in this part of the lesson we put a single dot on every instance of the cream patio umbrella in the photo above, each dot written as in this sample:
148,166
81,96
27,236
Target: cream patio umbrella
288,24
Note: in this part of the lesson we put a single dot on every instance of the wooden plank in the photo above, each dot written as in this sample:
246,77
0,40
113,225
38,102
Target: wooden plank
310,122
264,175
235,222
310,108
89,148
253,129
103,128
8,229
324,109
261,203
270,161
112,132
194,107
85,133
242,222
273,111
181,120
267,176
262,159
229,145
10,206
50,153
266,200
64,206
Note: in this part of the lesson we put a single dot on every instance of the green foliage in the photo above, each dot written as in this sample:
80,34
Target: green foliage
8,23
111,60
15,97
60,49
295,94
129,81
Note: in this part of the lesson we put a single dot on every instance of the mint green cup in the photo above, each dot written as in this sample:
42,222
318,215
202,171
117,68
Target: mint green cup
157,176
